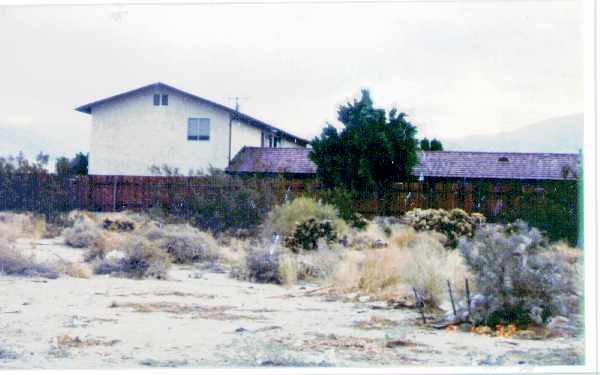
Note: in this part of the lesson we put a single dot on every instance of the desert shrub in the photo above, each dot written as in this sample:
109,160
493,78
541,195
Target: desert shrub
308,233
141,259
515,269
422,263
317,266
453,224
184,243
232,204
428,268
77,270
19,225
261,264
13,262
104,242
118,225
284,219
82,234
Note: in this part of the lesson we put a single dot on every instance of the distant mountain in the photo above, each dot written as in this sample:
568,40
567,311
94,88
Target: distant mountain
31,142
559,134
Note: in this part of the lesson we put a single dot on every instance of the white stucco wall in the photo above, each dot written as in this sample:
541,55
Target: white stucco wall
130,134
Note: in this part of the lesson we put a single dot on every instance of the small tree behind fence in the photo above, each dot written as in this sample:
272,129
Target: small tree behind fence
224,202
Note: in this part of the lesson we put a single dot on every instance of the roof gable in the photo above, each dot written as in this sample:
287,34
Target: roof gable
87,108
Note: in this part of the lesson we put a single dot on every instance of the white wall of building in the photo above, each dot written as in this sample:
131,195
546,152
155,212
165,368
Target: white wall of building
131,134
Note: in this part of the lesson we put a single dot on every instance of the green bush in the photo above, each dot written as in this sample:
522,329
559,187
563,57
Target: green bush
309,232
454,224
284,219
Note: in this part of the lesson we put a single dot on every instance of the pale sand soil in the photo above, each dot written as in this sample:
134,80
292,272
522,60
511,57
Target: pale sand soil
205,319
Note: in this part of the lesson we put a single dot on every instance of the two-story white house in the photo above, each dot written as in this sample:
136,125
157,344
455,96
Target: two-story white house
158,125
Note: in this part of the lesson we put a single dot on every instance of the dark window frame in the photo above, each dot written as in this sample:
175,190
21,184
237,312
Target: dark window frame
164,99
156,99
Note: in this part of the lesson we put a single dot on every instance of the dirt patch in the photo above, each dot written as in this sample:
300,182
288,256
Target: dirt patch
67,341
198,311
375,322
168,294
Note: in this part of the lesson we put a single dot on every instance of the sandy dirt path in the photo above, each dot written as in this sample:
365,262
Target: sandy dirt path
206,319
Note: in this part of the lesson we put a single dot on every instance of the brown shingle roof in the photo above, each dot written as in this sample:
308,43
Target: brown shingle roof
496,165
272,160
448,164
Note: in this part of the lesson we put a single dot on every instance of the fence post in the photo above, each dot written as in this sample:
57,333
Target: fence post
114,208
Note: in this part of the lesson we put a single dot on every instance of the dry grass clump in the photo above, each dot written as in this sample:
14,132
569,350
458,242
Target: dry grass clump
384,273
83,233
105,242
284,219
17,225
77,270
266,263
13,262
184,243
139,258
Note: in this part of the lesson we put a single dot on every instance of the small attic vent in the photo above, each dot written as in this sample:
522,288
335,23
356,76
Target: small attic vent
503,159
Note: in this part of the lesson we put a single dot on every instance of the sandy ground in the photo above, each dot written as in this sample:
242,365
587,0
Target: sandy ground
201,318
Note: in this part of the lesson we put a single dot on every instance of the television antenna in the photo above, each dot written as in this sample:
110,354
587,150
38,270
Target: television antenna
237,101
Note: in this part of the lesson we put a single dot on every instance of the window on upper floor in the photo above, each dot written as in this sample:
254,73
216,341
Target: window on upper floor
198,129
161,99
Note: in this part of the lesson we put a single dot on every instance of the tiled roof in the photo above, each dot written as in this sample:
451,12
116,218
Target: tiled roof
496,165
448,164
272,160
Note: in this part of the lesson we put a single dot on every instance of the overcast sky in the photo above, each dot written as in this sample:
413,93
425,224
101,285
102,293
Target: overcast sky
456,68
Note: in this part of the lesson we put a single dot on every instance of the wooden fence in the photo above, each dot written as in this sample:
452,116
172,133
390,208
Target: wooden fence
544,204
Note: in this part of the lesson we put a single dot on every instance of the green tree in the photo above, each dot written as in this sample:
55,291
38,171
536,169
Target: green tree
424,145
79,164
372,150
436,145
62,166
76,166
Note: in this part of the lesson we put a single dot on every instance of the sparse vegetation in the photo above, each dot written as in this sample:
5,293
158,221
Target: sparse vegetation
453,224
12,262
83,233
185,244
519,275
284,219
140,258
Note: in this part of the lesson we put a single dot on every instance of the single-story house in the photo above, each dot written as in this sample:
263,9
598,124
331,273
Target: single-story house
158,125
431,165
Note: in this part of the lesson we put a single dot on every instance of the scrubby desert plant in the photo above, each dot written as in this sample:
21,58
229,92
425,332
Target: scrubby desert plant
12,262
422,263
516,270
141,259
184,243
77,270
308,233
19,225
284,219
261,264
454,224
82,234
319,265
